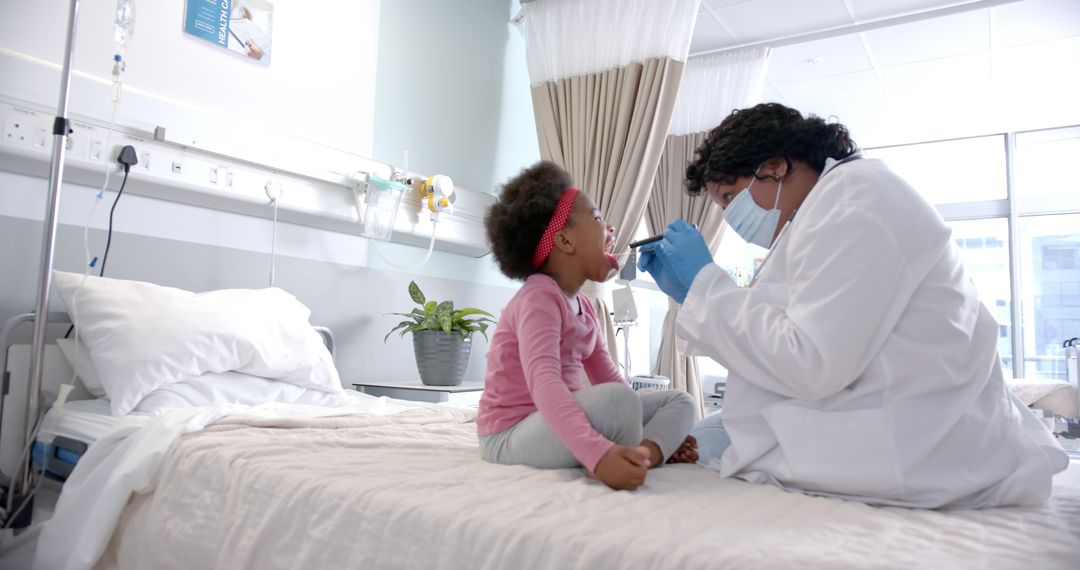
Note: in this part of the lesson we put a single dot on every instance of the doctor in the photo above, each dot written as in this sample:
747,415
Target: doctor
862,364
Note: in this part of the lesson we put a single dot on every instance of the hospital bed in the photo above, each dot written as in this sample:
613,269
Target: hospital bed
410,491
393,484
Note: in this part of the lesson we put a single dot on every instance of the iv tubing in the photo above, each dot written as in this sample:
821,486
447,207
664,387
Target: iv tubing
431,247
273,245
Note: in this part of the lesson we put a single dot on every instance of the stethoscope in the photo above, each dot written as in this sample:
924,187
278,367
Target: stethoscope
783,230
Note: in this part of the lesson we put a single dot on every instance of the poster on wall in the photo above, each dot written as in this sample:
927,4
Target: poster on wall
240,26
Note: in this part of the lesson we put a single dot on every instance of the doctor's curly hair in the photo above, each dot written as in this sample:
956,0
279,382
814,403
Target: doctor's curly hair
749,137
517,220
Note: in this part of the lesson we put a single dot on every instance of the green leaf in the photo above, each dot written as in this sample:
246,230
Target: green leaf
471,311
416,294
440,316
445,321
400,325
430,323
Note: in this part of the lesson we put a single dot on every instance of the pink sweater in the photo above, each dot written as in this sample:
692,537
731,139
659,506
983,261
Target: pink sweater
534,363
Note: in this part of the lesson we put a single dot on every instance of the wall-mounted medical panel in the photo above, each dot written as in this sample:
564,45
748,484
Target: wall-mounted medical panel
174,167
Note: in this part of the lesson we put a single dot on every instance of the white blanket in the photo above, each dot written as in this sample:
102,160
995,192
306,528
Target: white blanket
128,460
408,490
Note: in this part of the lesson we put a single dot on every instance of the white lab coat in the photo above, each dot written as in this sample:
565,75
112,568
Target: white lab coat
862,363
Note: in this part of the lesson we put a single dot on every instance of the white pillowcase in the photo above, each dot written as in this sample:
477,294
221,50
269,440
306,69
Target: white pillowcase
210,389
142,336
216,389
79,358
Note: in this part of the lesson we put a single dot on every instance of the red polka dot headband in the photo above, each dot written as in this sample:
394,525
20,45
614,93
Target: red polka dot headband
557,223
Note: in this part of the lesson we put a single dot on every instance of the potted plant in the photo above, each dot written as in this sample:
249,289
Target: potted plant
442,337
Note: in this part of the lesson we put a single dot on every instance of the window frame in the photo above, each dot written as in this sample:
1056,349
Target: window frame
1012,208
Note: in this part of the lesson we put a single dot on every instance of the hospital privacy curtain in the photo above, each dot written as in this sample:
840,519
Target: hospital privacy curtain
712,87
605,76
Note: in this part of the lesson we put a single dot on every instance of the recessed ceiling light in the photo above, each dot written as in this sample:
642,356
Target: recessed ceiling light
813,61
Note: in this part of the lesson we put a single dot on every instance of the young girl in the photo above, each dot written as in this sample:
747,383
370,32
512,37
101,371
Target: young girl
536,410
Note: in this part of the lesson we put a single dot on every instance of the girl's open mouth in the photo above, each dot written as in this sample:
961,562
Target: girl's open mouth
609,247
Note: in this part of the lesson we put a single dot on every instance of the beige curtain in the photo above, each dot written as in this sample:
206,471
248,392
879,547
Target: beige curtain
669,201
607,129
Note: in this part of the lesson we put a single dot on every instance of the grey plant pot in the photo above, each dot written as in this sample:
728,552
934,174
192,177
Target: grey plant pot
441,358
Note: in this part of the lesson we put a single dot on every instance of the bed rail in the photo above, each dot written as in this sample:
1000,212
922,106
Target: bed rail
54,317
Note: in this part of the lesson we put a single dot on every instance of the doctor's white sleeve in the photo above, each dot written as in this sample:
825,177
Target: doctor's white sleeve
847,287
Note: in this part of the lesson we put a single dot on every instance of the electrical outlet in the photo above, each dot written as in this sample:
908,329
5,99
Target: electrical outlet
17,131
177,168
144,160
95,149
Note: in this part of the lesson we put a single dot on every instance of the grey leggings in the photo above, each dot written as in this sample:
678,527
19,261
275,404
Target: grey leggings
617,412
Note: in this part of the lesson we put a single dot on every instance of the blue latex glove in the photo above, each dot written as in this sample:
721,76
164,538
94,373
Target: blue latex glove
651,261
676,259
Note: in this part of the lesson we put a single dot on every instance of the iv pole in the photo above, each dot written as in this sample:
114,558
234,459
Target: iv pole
61,128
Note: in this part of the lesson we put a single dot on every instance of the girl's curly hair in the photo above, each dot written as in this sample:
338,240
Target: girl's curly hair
517,220
749,137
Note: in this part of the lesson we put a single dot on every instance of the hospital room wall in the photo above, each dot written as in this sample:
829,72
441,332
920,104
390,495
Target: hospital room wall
342,293
200,248
315,97
452,89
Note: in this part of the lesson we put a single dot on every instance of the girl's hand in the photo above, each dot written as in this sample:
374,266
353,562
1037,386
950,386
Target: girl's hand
623,467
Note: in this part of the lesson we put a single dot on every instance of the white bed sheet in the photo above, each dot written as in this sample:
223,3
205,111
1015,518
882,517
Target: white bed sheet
408,490
1054,396
82,420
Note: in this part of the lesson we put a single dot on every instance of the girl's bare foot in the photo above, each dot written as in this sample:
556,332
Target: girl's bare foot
687,452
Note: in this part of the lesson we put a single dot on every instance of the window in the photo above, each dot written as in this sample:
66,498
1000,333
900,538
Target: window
946,172
1050,276
1042,159
986,259
739,258
1031,227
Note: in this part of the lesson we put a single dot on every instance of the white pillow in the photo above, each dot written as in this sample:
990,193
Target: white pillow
143,336
216,389
79,358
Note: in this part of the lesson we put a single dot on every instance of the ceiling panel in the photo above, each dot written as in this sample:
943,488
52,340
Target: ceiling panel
770,19
820,96
865,10
1044,66
723,3
821,58
948,36
709,34
1036,20
771,95
933,78
953,78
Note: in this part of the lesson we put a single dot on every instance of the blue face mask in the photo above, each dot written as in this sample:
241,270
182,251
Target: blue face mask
753,223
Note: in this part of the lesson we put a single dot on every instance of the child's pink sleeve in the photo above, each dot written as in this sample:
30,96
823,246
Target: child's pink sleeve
539,333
